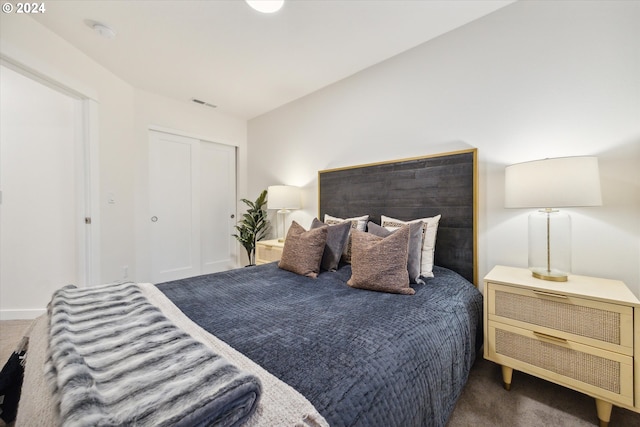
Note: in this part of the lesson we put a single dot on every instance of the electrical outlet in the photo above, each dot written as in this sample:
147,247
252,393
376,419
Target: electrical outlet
125,271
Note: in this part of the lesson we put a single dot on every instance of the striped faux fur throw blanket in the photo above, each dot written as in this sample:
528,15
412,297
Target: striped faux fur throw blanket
115,359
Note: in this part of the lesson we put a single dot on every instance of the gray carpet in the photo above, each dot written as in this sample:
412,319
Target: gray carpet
531,402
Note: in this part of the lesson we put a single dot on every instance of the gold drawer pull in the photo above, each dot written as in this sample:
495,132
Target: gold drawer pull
268,246
549,337
550,294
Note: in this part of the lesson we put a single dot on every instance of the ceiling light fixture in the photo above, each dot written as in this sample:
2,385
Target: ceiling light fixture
266,6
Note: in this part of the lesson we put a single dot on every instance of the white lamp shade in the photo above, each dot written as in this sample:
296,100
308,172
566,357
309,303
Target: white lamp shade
553,183
283,197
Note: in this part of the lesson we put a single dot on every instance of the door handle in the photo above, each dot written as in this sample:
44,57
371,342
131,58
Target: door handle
154,219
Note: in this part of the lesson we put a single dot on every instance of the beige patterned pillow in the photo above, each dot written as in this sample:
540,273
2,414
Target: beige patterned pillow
302,252
430,230
380,263
357,223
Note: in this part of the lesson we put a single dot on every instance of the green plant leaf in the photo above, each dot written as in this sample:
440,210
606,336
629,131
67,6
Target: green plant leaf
253,225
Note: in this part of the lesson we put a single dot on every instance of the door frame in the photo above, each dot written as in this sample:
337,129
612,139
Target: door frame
87,177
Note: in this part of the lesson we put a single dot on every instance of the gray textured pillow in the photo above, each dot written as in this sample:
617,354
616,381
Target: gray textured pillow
357,223
415,247
337,237
380,264
302,251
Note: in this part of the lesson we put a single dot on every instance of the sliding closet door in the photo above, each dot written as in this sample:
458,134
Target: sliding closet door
175,207
217,206
192,199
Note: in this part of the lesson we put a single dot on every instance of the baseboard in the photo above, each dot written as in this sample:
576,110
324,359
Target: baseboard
21,314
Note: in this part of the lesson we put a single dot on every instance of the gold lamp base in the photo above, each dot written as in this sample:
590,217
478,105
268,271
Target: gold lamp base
550,245
283,213
554,276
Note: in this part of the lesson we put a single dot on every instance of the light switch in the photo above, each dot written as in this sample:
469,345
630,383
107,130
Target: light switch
111,198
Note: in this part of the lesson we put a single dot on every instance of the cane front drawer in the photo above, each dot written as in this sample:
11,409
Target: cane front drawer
602,373
596,323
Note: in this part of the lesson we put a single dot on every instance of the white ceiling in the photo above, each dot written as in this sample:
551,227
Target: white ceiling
245,62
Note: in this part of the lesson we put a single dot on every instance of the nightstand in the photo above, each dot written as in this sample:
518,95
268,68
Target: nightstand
268,251
583,334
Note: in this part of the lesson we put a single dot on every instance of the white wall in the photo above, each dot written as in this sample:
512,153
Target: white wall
124,117
533,80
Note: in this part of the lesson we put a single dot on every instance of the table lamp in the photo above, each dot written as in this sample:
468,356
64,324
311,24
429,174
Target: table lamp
550,184
284,198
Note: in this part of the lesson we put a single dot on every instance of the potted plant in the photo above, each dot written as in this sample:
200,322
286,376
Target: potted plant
253,226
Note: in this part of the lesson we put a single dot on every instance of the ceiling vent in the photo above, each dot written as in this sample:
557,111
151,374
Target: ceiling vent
197,101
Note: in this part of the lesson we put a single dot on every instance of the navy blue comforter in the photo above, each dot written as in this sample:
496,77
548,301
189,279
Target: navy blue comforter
362,358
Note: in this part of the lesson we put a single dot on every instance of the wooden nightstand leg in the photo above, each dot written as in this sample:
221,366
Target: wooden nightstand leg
604,412
507,374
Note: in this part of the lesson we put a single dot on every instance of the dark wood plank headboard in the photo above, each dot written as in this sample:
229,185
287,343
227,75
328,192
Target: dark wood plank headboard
413,188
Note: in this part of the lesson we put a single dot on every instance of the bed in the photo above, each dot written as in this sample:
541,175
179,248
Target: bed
346,356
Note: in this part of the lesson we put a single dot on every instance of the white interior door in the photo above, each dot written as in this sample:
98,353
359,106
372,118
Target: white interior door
192,201
41,178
